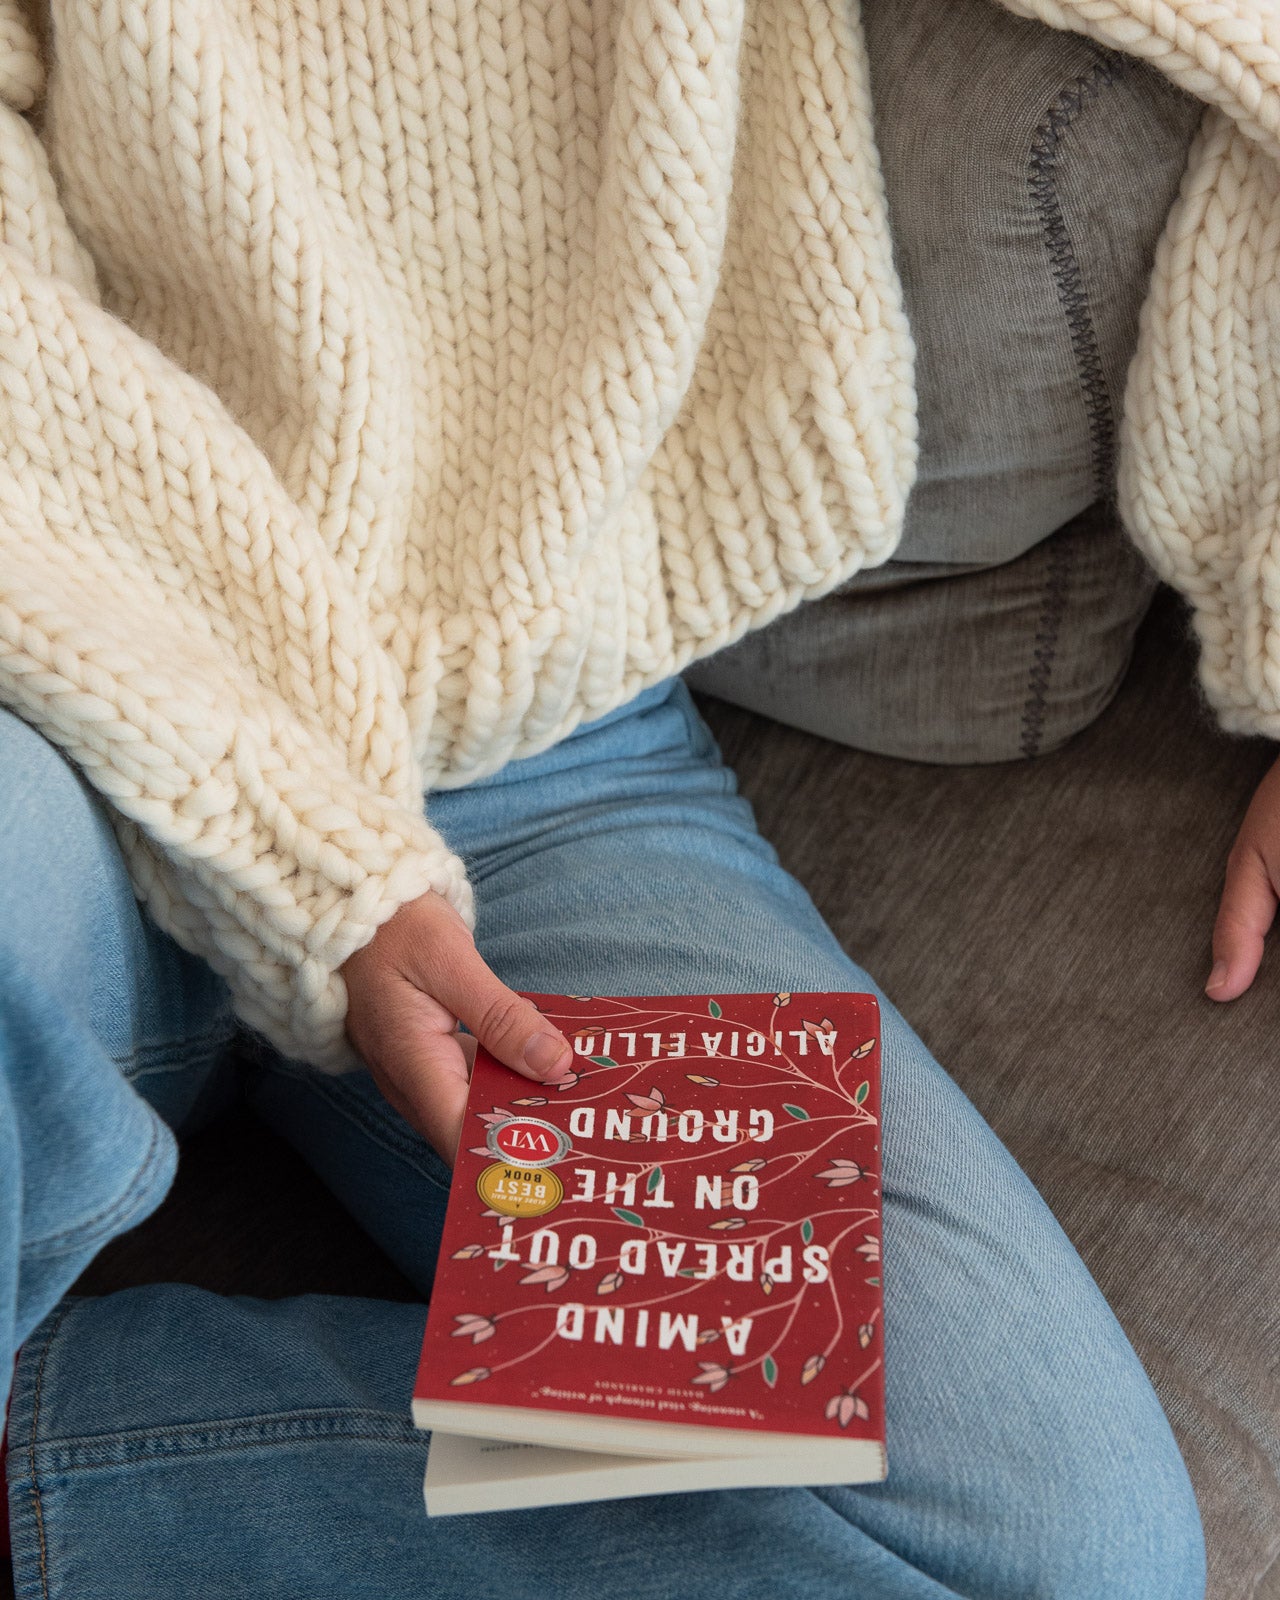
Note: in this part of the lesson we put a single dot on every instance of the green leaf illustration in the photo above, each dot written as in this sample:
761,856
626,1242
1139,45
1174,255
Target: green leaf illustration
628,1216
806,1230
688,1272
861,1093
875,1281
770,1369
654,1179
714,1008
603,1061
798,1112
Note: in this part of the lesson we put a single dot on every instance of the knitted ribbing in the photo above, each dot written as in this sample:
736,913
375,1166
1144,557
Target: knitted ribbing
388,386
1200,442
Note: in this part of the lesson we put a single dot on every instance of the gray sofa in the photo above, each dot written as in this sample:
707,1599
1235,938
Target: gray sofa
1045,925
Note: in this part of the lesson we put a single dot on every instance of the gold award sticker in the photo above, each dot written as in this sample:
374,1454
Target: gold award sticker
515,1191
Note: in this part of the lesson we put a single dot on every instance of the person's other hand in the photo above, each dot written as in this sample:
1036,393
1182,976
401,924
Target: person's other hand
1250,895
408,988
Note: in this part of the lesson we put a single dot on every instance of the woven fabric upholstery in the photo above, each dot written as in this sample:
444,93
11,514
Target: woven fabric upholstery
1045,926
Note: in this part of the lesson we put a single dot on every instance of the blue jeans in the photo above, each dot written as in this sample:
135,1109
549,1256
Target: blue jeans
169,1442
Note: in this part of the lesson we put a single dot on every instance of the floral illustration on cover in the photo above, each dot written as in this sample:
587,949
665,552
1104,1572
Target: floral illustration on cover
700,1240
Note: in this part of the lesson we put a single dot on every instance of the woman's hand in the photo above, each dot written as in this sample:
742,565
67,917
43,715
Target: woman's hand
408,989
1250,895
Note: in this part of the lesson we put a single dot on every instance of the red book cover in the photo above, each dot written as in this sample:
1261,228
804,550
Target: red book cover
686,1233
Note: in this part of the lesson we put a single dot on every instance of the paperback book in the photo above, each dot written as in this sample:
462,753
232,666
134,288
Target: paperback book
664,1274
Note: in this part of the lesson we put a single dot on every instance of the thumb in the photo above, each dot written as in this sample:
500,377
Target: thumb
1246,912
510,1027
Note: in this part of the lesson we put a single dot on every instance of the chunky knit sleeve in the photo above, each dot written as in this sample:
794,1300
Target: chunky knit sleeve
172,621
1200,459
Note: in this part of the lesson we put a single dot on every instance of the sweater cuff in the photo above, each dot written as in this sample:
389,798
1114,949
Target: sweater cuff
285,876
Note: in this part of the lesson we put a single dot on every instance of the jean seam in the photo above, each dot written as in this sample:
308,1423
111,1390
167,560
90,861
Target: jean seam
120,1207
160,1055
37,1502
702,742
1099,411
129,1447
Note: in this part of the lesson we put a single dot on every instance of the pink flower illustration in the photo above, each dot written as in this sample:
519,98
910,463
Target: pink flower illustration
471,1375
869,1249
812,1367
468,1252
655,1100
474,1327
713,1375
840,1173
844,1407
551,1277
498,1114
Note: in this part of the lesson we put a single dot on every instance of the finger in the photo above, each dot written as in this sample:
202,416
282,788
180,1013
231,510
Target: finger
1246,912
427,1084
507,1025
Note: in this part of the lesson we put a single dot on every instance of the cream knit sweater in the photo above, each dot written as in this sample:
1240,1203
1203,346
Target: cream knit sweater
388,385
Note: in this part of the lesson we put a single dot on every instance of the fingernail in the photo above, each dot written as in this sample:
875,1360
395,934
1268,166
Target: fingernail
1218,976
544,1052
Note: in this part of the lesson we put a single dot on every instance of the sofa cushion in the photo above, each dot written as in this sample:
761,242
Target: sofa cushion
990,665
1045,926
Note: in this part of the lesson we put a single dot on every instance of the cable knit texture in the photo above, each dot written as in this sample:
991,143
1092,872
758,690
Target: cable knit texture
388,385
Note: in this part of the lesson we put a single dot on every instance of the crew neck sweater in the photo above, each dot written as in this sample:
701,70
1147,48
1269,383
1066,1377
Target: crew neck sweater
388,386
